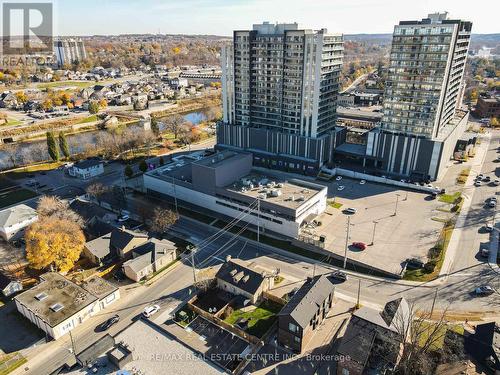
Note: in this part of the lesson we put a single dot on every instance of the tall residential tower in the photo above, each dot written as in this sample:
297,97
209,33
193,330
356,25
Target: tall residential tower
279,88
422,118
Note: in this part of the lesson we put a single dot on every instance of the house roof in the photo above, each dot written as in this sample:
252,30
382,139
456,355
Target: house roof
5,281
238,273
16,214
87,210
393,317
148,253
121,237
52,290
484,344
93,351
99,287
97,227
305,302
99,247
84,164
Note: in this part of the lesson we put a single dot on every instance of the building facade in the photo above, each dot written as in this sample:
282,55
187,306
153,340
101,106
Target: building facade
422,96
69,50
14,220
279,85
488,107
86,169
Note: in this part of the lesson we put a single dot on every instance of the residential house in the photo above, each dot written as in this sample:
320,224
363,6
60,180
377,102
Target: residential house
9,286
149,258
304,313
118,243
57,305
238,277
14,219
483,346
86,169
373,338
8,100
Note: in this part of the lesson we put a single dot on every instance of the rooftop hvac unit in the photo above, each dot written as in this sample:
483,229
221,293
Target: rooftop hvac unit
305,191
280,185
262,196
301,198
275,193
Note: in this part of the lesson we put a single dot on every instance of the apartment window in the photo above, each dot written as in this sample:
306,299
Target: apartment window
345,371
292,327
296,339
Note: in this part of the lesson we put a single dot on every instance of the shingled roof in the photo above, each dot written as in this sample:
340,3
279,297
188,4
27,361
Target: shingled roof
237,273
305,302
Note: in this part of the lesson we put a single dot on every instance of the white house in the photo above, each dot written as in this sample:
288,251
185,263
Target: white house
57,305
9,286
14,219
86,169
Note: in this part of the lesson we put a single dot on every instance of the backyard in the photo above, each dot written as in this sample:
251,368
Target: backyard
258,320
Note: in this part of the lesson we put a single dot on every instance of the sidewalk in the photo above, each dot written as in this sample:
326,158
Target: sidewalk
475,165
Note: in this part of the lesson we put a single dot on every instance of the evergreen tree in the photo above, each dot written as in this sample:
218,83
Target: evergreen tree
52,146
128,171
143,166
63,145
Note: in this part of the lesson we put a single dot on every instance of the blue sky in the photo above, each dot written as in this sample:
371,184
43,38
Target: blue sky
87,17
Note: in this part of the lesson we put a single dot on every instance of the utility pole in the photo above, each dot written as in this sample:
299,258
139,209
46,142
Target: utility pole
359,291
347,240
258,220
406,196
314,269
396,208
192,264
175,197
434,302
72,344
373,234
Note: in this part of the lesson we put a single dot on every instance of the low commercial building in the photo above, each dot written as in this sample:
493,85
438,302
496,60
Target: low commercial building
86,169
227,185
57,305
149,258
239,278
14,220
305,312
488,106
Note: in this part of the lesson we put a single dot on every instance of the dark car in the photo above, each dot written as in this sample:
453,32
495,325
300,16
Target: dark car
414,264
119,275
110,322
339,275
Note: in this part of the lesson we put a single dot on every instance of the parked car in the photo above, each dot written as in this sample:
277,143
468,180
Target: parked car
362,182
496,182
492,204
341,187
350,210
488,228
359,245
338,178
339,275
123,218
487,179
477,183
150,311
484,290
414,264
108,323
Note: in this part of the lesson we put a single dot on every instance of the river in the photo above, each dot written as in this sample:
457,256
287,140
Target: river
37,150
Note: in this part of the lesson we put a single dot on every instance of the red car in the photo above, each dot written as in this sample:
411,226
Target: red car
359,245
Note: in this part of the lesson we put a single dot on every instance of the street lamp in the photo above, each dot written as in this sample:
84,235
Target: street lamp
373,234
396,208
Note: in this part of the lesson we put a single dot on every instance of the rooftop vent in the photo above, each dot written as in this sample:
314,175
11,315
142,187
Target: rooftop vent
246,278
56,307
233,272
41,296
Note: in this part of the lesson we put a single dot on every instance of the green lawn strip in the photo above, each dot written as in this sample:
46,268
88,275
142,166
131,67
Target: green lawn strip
7,367
334,204
16,196
450,198
85,120
421,274
260,319
427,328
80,84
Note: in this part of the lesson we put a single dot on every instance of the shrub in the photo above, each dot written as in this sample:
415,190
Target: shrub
434,253
430,266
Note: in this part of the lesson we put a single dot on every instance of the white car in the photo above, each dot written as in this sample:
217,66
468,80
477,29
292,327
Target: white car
341,187
488,228
478,183
150,310
362,182
338,178
123,218
496,182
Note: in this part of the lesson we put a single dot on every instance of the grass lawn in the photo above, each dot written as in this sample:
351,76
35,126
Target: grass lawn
450,198
11,121
21,173
336,205
428,327
85,120
260,319
80,84
16,196
9,364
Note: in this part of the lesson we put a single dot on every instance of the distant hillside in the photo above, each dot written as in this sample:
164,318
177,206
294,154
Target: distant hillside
369,38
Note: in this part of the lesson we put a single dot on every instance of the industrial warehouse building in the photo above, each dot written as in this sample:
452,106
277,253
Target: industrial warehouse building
227,184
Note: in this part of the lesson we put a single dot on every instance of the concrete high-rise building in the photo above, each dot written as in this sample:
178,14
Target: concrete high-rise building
69,50
422,119
279,88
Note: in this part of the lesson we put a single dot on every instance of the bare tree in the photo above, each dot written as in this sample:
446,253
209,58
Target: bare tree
162,219
53,207
174,123
97,190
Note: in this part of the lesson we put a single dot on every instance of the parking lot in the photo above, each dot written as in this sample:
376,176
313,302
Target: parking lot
401,223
